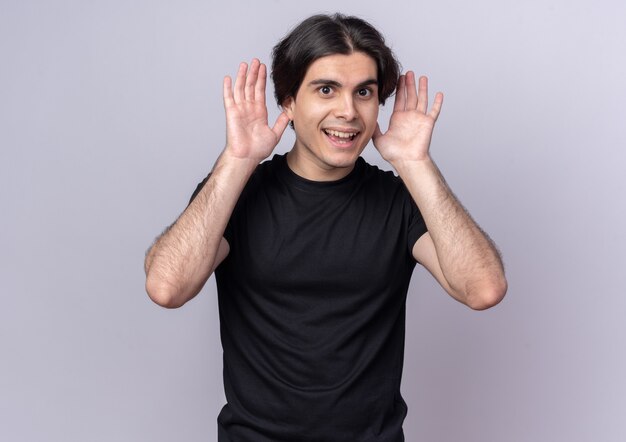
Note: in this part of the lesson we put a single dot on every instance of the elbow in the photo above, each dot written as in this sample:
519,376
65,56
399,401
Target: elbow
163,294
488,294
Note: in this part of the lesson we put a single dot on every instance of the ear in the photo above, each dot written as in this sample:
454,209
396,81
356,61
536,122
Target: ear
289,107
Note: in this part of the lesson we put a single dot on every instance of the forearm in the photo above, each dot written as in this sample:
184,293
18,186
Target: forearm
182,259
468,259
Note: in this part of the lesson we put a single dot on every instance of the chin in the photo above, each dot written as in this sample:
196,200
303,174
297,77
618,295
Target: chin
342,159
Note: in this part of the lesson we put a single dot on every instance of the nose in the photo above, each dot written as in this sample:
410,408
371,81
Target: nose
345,108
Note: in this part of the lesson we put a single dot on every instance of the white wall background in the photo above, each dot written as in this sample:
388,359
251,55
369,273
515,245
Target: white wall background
111,112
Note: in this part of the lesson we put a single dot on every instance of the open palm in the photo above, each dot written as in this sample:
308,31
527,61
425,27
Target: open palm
411,126
248,134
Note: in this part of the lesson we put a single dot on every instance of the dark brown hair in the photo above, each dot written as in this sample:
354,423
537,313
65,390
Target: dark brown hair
322,35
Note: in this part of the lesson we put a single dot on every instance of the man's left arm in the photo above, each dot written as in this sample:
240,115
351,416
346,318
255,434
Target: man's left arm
454,250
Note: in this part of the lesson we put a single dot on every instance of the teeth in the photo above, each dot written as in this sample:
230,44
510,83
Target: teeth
338,134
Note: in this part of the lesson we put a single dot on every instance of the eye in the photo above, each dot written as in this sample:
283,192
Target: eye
365,92
325,90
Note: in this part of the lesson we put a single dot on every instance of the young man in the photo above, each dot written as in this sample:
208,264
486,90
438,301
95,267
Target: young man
313,251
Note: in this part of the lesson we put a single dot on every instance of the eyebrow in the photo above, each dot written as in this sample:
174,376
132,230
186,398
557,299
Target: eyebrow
322,81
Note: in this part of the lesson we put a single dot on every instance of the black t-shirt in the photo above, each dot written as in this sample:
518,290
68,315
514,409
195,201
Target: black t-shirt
312,306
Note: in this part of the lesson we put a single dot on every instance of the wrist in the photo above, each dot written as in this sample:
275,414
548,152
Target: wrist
411,166
227,160
241,155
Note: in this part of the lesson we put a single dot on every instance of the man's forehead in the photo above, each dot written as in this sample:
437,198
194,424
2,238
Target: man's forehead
356,67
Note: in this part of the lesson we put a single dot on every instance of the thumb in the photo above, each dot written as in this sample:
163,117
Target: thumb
280,125
377,134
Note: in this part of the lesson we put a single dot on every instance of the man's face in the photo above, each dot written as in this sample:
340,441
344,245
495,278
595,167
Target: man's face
334,113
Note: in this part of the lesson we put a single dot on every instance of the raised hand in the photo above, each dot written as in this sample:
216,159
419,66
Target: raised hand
411,126
248,135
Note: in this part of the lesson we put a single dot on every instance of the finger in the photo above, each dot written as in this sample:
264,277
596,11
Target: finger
400,99
228,91
411,91
422,98
377,133
259,91
238,92
436,108
251,78
280,125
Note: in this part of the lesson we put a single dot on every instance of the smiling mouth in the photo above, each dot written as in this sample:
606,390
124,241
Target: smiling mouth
340,137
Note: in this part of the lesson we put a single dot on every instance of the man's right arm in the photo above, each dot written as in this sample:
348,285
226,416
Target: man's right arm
181,260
